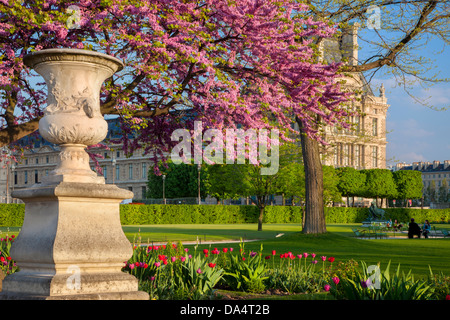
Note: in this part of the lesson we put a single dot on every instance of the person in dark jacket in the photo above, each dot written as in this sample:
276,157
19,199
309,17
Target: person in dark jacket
413,229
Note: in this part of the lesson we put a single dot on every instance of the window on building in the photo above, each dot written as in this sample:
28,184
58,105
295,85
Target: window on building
357,124
37,160
130,172
374,157
144,171
118,154
374,127
47,159
346,155
26,177
357,156
36,176
117,172
15,177
105,173
144,192
336,156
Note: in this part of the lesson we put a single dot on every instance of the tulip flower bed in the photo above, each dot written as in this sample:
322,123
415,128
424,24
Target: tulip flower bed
7,265
174,272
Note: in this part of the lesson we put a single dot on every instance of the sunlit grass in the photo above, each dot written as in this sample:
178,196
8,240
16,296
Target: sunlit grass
417,255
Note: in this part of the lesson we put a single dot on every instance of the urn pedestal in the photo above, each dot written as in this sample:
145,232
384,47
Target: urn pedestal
72,245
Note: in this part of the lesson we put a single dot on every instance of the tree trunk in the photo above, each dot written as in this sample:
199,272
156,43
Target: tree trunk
314,209
260,218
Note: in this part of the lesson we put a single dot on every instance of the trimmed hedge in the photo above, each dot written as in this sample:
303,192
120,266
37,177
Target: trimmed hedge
13,214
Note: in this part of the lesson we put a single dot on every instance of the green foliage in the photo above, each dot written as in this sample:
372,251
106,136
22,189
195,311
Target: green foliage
245,271
351,182
131,214
379,184
169,272
409,184
330,186
370,284
181,181
11,214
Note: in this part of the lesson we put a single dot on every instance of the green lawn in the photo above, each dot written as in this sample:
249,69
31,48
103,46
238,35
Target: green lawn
412,254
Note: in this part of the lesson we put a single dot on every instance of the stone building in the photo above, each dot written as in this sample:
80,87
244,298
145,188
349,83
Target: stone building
364,145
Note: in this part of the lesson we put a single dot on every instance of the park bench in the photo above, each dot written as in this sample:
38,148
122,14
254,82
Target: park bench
445,232
362,233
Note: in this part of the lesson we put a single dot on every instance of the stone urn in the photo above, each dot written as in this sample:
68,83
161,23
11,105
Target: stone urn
72,245
72,118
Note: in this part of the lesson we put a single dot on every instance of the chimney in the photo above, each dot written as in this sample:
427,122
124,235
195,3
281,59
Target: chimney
415,166
446,164
435,164
349,44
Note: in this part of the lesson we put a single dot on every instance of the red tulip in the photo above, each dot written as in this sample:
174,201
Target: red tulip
331,259
274,252
211,265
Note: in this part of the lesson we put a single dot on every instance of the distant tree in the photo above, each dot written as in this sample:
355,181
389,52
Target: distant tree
223,182
379,184
351,183
291,181
430,193
331,191
409,184
181,181
443,195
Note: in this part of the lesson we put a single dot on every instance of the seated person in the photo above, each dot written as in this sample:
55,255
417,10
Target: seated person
397,225
389,223
413,229
426,229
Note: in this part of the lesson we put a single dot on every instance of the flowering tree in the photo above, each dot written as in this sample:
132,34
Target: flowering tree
251,63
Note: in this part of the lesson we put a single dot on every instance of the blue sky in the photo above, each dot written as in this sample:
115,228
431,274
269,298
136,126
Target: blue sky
416,132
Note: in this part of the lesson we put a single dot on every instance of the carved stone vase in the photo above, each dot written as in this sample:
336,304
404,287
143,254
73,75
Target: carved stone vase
72,245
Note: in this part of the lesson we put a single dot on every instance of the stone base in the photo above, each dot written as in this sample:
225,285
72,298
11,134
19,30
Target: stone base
133,295
71,245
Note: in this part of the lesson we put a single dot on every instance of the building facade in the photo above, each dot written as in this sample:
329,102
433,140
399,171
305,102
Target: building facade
363,145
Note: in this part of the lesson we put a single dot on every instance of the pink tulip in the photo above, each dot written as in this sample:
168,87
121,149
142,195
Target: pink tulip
173,259
157,264
335,280
324,258
327,287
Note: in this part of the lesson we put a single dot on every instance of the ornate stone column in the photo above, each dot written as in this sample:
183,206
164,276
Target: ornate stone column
71,245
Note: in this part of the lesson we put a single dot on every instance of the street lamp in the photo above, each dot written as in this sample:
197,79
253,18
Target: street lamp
199,167
113,168
164,188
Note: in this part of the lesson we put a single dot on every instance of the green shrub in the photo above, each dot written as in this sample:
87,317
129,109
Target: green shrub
11,214
133,214
367,285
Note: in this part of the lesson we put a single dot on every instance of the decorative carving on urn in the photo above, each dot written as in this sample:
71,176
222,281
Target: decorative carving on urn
72,117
